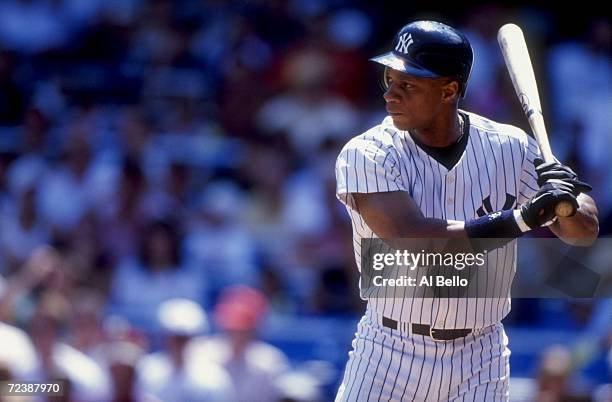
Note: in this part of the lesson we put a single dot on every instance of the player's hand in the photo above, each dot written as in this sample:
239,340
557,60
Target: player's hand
541,208
554,171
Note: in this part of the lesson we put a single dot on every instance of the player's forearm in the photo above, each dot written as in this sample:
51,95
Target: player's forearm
485,233
581,229
394,215
429,228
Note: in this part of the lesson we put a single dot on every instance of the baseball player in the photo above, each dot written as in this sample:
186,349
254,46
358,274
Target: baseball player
430,169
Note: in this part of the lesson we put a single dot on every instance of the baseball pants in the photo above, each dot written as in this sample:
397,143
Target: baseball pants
386,365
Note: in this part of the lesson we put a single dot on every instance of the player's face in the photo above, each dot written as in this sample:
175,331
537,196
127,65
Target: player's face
413,102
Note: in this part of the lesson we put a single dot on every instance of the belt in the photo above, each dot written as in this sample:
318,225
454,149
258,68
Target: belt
426,330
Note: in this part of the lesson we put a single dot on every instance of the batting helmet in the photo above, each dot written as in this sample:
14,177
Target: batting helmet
430,49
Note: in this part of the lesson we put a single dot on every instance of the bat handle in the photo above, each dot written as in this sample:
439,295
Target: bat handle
564,209
536,120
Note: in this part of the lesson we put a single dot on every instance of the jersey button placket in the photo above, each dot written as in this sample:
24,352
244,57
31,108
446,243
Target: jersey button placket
450,191
450,180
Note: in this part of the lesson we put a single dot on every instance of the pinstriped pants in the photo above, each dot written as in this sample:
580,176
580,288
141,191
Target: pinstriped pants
386,365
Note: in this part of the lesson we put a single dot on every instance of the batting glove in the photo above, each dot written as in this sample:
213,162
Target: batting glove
541,208
555,171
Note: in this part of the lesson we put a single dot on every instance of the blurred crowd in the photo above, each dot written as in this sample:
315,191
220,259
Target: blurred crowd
162,162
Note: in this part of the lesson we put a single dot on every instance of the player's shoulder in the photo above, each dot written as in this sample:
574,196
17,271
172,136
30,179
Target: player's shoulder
485,127
381,136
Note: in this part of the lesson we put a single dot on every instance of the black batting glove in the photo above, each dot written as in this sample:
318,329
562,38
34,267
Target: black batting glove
555,171
541,208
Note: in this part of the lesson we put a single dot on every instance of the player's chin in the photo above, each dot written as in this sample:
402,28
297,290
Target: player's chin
401,122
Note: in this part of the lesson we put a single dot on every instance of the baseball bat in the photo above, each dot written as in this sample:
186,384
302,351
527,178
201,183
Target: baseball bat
514,48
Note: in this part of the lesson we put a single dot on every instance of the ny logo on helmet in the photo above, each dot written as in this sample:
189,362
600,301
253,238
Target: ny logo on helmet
404,43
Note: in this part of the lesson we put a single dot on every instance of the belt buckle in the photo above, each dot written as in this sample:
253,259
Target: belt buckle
431,335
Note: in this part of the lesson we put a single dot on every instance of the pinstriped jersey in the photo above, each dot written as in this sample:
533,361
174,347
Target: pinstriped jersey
495,172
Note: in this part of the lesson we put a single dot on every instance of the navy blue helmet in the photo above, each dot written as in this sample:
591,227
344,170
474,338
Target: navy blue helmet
430,49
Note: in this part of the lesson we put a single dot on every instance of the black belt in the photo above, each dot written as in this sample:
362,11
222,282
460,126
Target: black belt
426,330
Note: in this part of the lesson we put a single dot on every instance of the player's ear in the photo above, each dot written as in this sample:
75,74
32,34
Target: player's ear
450,91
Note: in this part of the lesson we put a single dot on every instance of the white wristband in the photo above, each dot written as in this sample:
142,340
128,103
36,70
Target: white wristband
520,221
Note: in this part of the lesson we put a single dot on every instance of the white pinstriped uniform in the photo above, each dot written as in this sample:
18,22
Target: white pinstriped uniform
494,172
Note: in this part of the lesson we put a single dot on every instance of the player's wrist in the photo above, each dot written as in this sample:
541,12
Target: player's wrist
492,231
520,221
501,224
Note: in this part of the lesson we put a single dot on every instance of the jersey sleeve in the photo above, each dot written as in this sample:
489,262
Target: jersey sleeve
367,166
528,185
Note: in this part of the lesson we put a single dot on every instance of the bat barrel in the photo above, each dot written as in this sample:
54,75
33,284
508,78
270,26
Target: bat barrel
514,49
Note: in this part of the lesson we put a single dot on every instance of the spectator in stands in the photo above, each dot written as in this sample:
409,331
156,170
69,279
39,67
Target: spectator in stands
217,240
86,380
253,365
296,386
158,273
121,360
17,354
554,378
85,325
22,229
487,92
67,190
168,375
43,269
124,213
307,113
